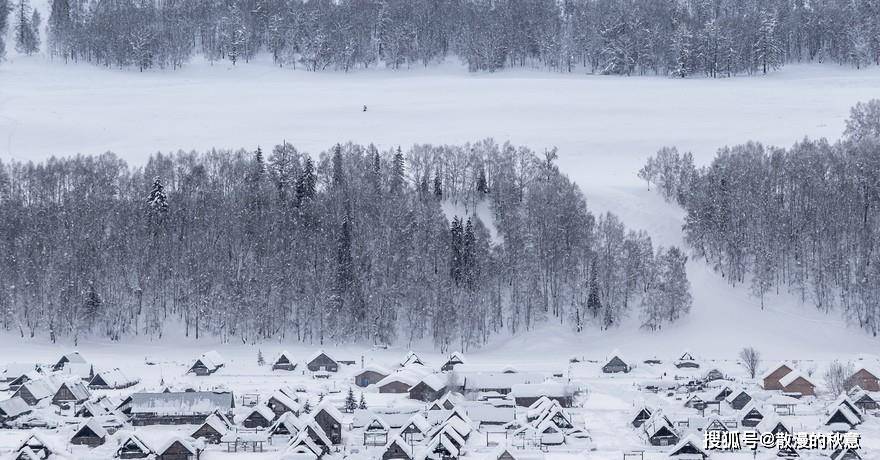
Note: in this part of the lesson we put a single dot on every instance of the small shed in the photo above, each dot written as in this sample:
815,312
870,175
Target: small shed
370,375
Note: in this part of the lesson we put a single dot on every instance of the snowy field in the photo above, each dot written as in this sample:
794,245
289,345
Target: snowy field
605,127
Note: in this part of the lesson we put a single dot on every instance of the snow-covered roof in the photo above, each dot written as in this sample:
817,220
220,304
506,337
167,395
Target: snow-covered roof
12,370
187,444
531,390
181,403
691,439
13,407
475,381
114,378
264,411
74,357
850,417
409,376
419,422
43,387
317,354
485,413
218,424
284,399
789,378
411,358
77,389
215,357
289,421
372,367
776,367
433,381
330,409
94,425
131,437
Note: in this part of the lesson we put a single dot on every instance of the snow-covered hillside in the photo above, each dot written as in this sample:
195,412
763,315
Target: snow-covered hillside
605,127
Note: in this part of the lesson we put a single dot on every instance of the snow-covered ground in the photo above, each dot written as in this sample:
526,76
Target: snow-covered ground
605,127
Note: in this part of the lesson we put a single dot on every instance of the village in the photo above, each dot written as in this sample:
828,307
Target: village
329,406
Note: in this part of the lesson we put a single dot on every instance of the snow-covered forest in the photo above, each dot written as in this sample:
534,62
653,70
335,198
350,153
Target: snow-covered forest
628,37
448,243
806,218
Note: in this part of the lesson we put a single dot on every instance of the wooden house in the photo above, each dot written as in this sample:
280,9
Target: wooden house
74,357
689,448
430,388
864,401
659,431
841,418
36,447
280,403
751,416
370,375
11,409
796,383
712,375
286,425
90,433
330,420
16,382
132,446
866,378
34,391
284,362
738,399
410,359
211,430
178,448
320,361
774,374
304,447
641,416
206,364
687,360
175,408
455,359
398,449
376,432
527,394
415,429
615,364
112,379
258,417
71,394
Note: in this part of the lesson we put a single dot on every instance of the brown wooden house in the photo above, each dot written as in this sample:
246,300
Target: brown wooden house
259,417
615,364
211,430
796,383
771,378
866,379
71,394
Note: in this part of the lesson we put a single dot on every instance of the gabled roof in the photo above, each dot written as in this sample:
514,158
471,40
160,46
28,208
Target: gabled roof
411,358
549,389
77,389
73,357
284,354
263,411
776,367
289,421
303,443
372,367
688,441
770,422
310,426
134,438
330,409
433,381
376,423
317,354
419,422
13,407
214,357
844,400
186,443
93,425
735,394
215,422
789,378
43,387
114,378
444,441
284,399
850,417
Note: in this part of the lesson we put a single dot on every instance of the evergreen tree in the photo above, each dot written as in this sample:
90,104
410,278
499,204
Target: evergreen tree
4,18
482,184
261,361
350,402
27,39
363,402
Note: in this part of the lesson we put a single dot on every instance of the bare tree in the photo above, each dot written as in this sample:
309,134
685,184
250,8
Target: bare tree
750,359
838,377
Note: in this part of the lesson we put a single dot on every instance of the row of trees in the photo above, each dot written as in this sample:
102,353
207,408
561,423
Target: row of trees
352,246
25,25
667,37
804,219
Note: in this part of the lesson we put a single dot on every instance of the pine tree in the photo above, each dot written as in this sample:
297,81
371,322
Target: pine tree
438,186
4,15
397,172
157,200
350,403
306,183
482,183
261,361
594,303
27,40
363,402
